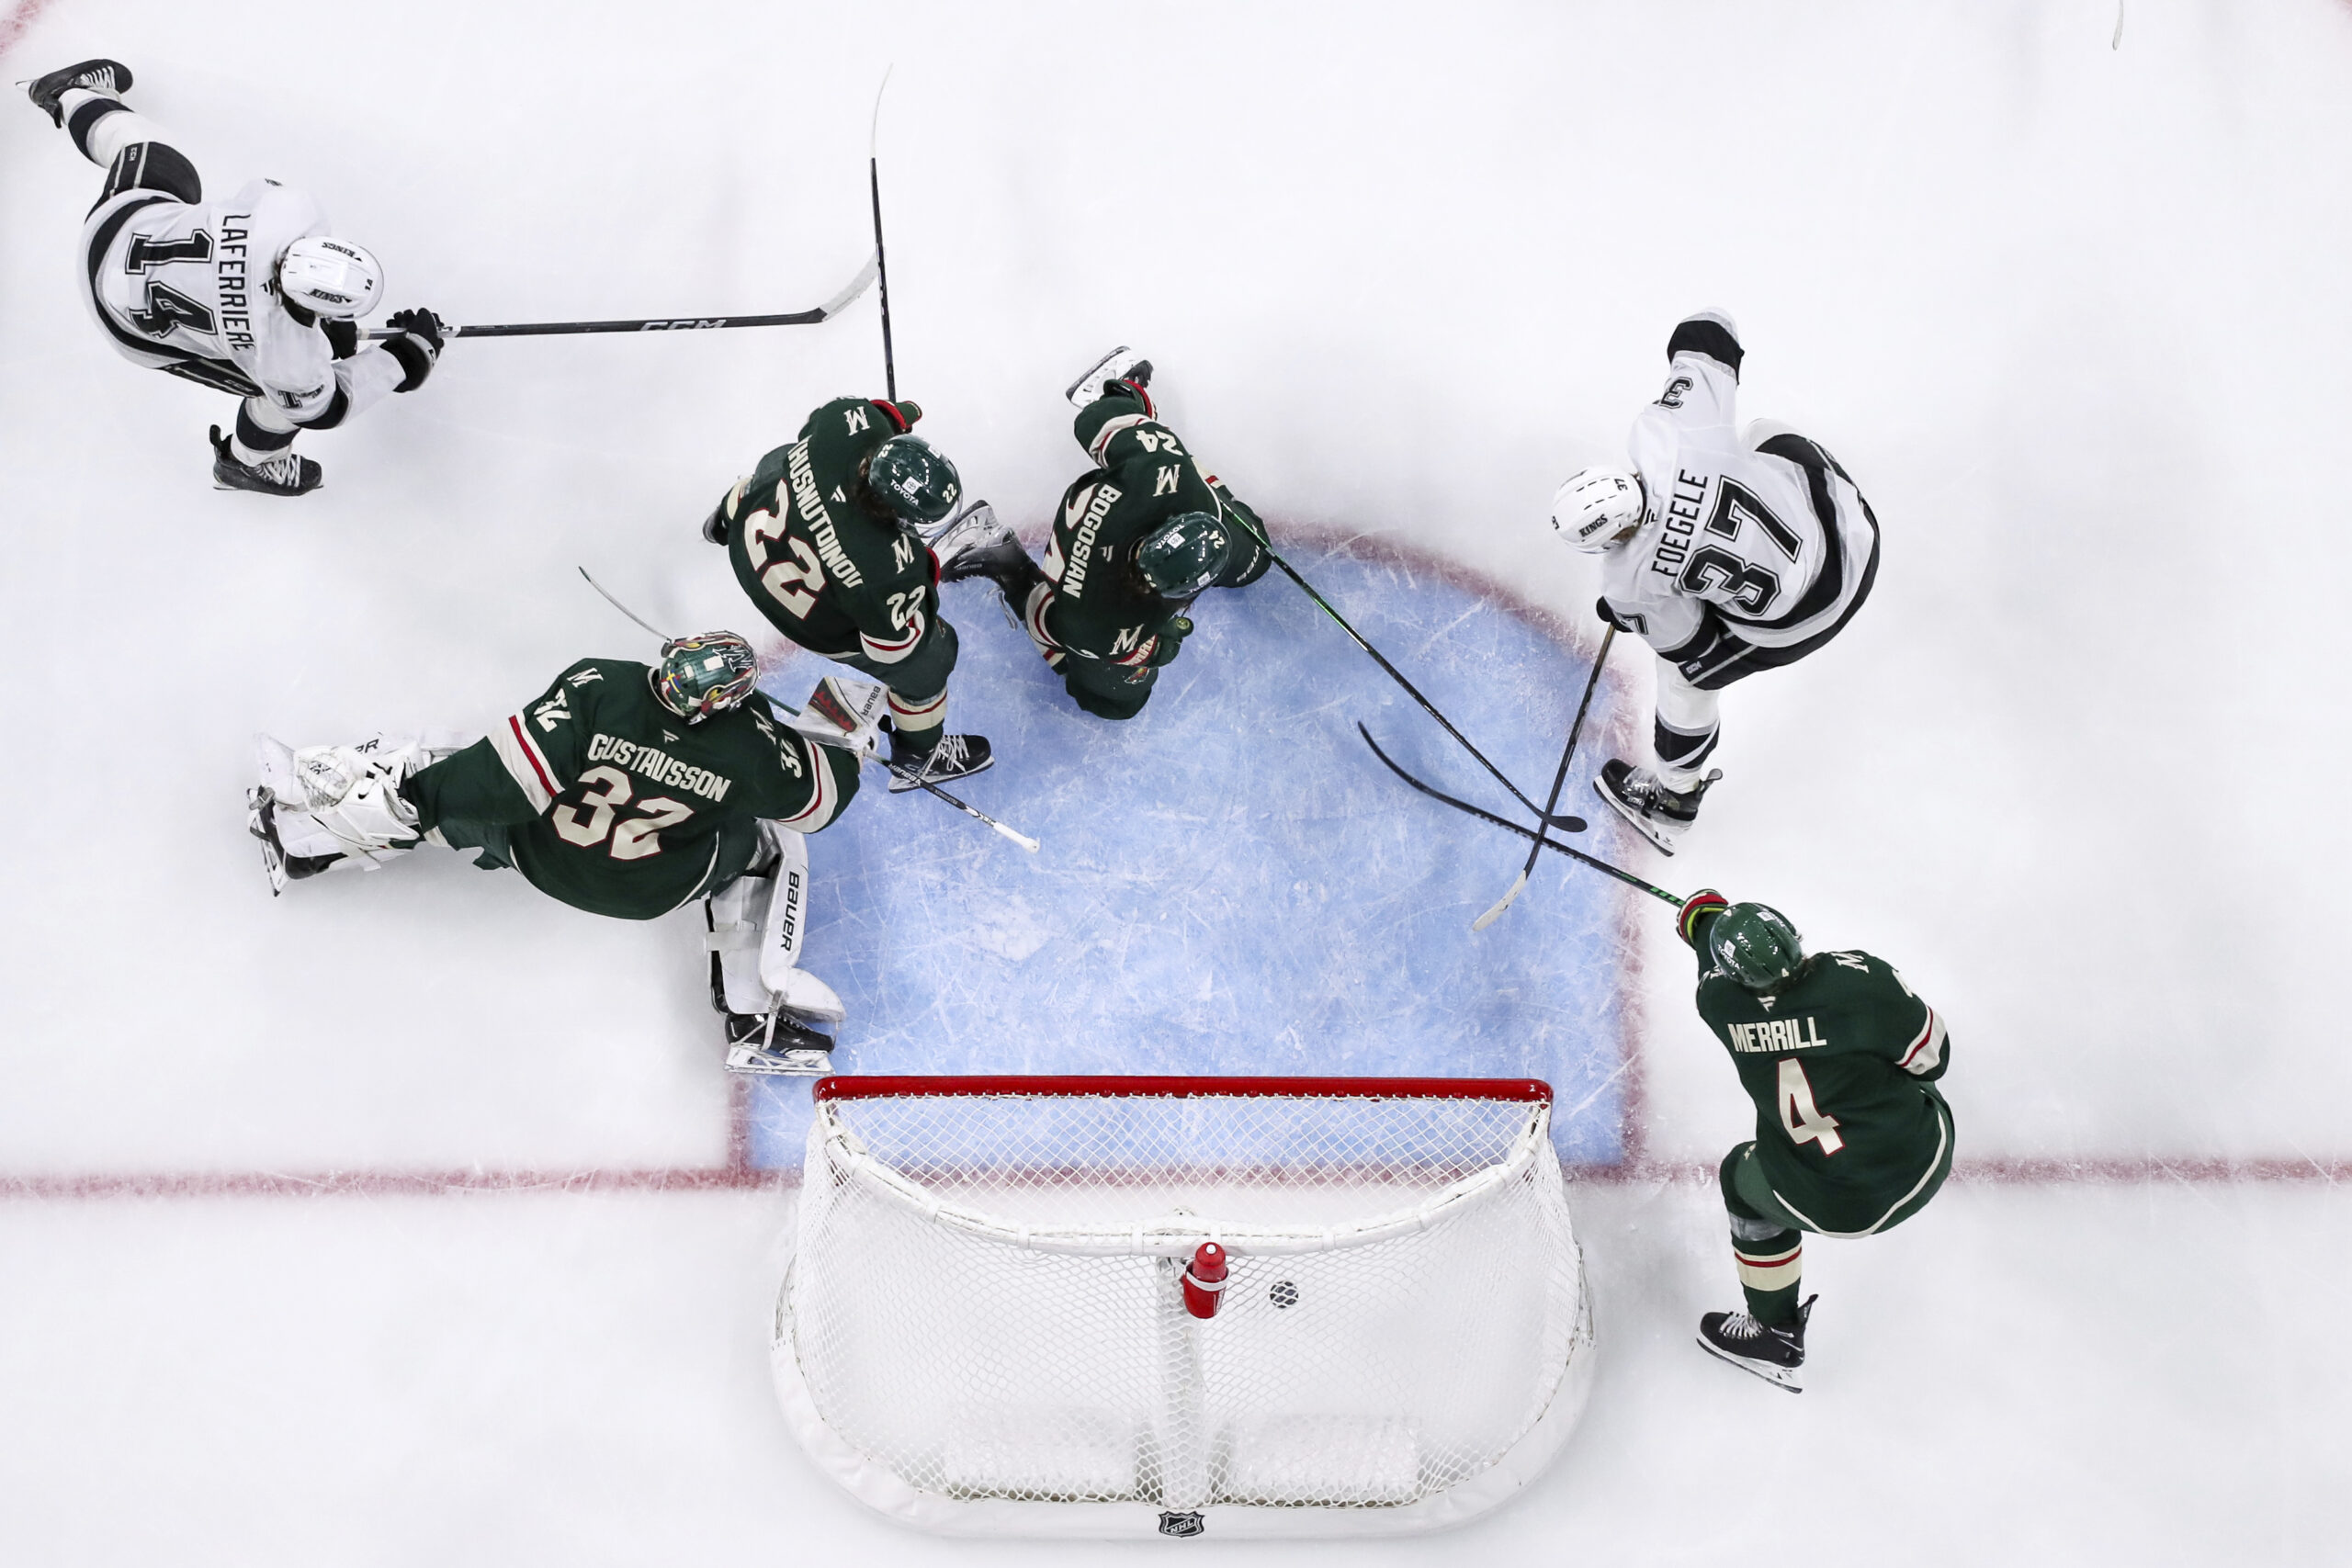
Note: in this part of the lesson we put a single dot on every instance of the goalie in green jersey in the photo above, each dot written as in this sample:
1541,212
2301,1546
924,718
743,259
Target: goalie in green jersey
822,535
623,790
1853,1136
1136,540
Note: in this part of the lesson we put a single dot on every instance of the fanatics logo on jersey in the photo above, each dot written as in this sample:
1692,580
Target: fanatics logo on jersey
1775,1035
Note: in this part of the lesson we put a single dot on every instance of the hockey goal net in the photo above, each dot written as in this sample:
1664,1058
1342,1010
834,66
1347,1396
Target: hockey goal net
984,1326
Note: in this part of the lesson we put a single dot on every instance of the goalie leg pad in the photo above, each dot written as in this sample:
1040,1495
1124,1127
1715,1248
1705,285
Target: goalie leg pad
756,927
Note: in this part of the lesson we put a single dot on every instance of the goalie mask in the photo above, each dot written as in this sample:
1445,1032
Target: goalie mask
911,480
328,276
1754,944
705,674
1184,555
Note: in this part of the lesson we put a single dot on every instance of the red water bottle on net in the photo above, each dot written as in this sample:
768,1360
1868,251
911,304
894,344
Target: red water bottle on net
1204,1279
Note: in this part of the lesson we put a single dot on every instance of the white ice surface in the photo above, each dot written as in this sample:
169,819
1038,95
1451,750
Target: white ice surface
2071,314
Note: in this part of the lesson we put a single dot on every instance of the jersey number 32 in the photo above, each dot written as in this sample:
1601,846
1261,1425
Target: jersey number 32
635,839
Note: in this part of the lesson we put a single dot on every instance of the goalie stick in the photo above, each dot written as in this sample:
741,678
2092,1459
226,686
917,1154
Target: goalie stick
1024,839
826,311
1627,877
1545,821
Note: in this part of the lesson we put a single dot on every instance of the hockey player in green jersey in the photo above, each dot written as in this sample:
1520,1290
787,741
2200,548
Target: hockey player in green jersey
1852,1137
822,535
1138,539
622,790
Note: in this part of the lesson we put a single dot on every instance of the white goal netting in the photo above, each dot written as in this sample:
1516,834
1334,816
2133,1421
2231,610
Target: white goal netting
982,1328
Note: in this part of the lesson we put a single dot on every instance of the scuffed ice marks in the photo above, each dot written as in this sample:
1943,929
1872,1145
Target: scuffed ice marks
1230,882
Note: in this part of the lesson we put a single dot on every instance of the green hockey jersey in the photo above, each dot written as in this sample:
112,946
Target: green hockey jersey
828,573
1841,1063
1095,606
607,800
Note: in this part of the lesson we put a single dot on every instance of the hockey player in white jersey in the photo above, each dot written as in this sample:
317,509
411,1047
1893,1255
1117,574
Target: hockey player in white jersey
1727,551
252,295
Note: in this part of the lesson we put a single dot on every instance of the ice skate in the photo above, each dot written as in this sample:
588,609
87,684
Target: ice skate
288,473
955,757
1661,815
1774,1353
111,77
777,1046
963,546
1122,364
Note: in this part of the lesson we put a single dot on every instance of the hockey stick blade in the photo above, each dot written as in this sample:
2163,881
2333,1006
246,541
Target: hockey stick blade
1544,818
1627,877
1491,916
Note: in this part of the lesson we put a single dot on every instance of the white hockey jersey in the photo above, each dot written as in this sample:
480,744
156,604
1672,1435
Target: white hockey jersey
1777,543
186,287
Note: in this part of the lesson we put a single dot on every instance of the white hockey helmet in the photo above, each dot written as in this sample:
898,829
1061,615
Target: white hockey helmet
329,276
1597,508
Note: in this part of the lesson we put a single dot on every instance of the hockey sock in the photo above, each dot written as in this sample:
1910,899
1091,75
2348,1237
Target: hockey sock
1768,1253
917,726
1771,1268
101,127
1684,731
256,443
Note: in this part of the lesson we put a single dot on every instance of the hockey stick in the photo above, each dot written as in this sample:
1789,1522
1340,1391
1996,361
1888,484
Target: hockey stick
1626,877
1591,680
1394,673
881,267
826,311
1024,839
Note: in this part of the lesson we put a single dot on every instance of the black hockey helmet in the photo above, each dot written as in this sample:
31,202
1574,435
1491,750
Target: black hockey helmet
912,481
704,675
1756,945
1184,554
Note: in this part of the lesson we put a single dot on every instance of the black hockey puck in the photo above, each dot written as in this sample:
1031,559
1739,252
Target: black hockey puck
1567,821
1283,1294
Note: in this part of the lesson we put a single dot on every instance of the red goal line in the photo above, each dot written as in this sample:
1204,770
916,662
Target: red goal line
1997,1171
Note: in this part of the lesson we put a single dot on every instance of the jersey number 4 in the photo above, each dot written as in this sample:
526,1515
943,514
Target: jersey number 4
1802,1118
633,840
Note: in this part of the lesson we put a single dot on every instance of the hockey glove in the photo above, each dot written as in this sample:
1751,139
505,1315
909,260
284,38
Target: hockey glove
417,348
1698,911
1168,640
343,336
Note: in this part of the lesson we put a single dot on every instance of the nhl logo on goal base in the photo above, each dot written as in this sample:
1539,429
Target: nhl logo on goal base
1119,1307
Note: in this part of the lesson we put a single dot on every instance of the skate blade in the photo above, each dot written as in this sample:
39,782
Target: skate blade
798,1062
1789,1378
1092,372
261,822
1642,825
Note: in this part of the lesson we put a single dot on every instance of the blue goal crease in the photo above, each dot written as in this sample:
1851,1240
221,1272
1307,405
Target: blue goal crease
1230,882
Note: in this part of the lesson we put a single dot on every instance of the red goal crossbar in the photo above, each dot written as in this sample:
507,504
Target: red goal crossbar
1531,1091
